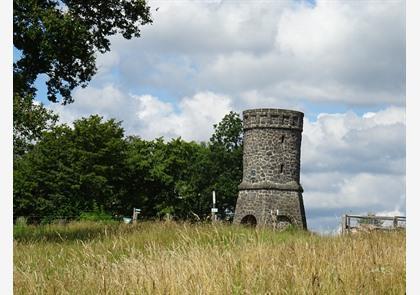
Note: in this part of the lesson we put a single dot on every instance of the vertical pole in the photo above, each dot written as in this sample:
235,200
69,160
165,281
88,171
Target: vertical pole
395,222
347,228
135,214
343,224
213,214
214,199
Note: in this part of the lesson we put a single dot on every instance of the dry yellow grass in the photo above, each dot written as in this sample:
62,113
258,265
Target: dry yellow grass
170,258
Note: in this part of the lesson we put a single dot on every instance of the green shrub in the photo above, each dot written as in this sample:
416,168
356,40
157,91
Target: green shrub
21,221
95,216
20,226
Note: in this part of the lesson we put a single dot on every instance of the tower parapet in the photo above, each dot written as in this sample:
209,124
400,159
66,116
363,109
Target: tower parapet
272,118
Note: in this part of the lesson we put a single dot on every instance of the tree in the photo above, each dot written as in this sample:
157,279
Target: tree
60,38
145,177
72,170
29,121
43,180
166,177
228,132
226,152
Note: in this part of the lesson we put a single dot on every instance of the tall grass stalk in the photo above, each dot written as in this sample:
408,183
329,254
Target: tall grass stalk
176,258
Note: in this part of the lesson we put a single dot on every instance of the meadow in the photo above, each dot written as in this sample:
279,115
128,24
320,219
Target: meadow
183,258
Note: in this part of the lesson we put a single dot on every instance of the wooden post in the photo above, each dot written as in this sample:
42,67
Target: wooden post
343,224
135,214
395,222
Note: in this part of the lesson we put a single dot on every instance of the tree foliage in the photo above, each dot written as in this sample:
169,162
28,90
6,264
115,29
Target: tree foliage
71,170
75,170
60,38
29,121
168,175
228,133
226,146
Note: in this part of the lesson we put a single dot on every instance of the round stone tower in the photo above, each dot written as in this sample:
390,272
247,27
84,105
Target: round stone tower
270,193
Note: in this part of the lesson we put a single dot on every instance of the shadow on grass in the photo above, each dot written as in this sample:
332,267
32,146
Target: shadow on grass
160,232
68,233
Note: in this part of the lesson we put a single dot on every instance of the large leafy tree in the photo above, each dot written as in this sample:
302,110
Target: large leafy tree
60,38
228,133
166,177
30,120
226,152
72,170
178,177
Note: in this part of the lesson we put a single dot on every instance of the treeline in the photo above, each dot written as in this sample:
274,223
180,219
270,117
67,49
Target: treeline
92,167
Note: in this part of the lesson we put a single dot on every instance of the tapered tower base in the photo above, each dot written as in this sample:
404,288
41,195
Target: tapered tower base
273,208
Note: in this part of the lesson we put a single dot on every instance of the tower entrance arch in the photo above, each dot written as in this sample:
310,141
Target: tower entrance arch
249,220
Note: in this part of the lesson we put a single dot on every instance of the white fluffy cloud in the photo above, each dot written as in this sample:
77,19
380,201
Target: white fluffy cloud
336,51
193,121
148,116
359,191
374,142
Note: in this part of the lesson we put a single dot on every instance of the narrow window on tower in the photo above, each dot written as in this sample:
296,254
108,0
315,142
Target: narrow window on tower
281,168
282,139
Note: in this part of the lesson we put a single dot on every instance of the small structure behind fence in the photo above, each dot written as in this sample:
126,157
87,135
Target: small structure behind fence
356,223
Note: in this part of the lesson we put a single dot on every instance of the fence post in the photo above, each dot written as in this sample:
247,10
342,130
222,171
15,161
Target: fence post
134,219
135,214
395,222
343,224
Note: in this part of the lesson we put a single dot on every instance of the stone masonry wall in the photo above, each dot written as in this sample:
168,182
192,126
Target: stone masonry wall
271,155
271,167
266,205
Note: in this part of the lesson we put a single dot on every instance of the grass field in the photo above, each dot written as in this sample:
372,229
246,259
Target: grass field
172,258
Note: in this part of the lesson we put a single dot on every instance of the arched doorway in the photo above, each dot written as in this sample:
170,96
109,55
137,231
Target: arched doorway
283,222
249,220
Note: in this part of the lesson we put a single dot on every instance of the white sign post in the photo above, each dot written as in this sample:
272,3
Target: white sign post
214,209
136,212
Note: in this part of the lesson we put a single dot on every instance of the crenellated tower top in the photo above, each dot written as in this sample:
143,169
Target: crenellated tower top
272,118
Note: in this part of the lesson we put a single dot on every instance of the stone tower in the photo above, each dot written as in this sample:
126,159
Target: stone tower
270,193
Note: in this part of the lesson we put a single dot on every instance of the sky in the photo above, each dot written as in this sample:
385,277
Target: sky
342,63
